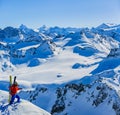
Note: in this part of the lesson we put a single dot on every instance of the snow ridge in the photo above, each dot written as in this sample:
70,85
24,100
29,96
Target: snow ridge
18,108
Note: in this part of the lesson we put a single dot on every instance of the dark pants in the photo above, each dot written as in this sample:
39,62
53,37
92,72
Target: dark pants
13,98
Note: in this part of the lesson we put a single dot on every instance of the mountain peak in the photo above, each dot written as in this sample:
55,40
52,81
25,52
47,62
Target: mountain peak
22,26
43,28
107,25
103,26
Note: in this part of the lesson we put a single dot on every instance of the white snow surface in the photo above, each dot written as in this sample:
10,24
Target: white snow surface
22,108
59,64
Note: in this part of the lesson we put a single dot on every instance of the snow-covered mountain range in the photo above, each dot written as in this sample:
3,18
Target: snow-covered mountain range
66,71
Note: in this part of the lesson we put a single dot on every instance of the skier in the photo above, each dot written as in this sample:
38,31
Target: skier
13,91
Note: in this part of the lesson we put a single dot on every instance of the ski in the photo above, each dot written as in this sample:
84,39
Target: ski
14,80
10,84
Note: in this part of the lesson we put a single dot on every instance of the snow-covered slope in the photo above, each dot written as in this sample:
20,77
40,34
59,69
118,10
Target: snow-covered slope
22,108
66,71
93,95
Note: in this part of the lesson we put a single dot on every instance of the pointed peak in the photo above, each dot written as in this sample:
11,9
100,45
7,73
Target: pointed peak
103,26
22,26
43,28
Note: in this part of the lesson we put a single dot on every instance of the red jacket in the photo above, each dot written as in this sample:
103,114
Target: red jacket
14,89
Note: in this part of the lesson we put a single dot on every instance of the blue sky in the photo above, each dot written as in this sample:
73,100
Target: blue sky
63,13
